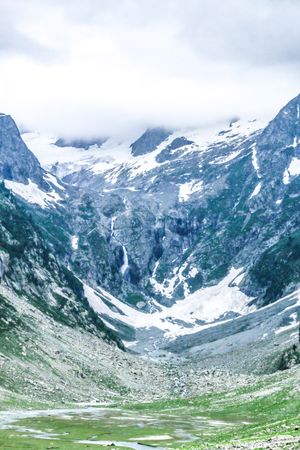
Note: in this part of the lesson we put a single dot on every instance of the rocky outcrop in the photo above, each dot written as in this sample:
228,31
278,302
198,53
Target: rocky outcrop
284,128
149,141
17,162
289,358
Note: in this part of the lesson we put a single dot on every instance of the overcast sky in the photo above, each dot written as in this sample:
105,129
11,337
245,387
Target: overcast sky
101,67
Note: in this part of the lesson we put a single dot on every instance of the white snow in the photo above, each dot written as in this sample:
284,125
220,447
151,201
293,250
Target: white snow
54,181
256,190
32,193
130,315
292,171
48,153
193,272
72,159
207,305
206,136
168,286
144,163
238,279
154,270
210,303
295,142
74,242
114,156
286,177
294,168
187,189
264,336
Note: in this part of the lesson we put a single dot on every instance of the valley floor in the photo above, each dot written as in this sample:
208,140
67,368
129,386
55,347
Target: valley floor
63,388
262,414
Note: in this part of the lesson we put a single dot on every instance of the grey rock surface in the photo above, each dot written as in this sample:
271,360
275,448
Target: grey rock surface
16,161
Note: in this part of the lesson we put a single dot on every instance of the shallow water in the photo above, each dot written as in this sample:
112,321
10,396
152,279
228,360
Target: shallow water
133,445
104,426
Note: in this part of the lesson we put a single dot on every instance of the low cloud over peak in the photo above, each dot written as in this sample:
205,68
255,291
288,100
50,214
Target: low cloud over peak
100,67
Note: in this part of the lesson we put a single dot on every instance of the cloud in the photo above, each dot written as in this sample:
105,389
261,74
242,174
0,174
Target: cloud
103,67
14,40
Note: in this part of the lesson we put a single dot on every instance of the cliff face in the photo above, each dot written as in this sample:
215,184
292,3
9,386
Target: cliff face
17,162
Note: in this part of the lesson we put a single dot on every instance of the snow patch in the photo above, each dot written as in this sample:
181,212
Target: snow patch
205,305
53,180
145,163
292,171
256,190
286,177
193,272
294,167
32,193
295,142
222,134
210,303
168,286
188,189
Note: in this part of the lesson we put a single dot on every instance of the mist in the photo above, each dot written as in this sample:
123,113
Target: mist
102,68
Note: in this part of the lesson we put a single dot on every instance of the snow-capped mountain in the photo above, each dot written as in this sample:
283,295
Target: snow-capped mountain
173,232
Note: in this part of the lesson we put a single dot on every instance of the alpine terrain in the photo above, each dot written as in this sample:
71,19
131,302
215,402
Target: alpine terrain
150,287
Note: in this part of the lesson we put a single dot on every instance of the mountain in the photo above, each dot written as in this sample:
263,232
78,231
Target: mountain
177,230
46,322
173,241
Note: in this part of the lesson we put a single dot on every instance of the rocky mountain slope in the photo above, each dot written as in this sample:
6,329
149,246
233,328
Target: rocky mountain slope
167,240
161,220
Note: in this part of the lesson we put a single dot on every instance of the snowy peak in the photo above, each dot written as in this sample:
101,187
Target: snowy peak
116,157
